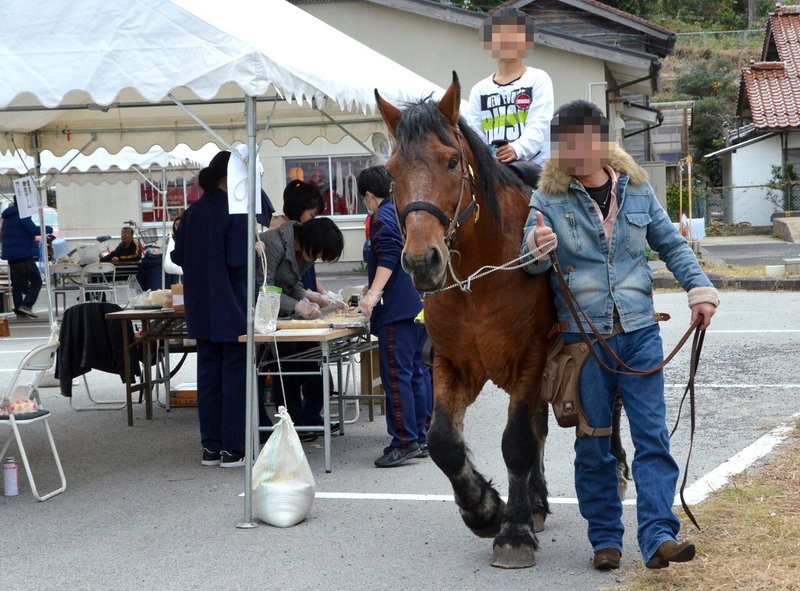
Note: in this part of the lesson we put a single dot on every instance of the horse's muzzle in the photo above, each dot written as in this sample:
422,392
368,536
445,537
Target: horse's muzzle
427,269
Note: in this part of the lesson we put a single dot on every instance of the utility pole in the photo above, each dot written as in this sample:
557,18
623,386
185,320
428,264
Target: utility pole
751,14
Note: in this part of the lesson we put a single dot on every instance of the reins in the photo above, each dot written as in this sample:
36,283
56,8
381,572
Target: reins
694,362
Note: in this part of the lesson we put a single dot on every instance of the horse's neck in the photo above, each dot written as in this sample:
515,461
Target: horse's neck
494,242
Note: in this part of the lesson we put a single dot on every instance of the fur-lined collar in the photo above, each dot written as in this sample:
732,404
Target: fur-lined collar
554,181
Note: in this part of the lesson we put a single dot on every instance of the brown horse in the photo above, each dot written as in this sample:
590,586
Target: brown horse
460,210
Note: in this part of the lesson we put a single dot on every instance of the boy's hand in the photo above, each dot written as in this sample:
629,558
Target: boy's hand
506,154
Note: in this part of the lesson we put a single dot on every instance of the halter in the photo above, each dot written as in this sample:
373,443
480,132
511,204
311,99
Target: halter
451,225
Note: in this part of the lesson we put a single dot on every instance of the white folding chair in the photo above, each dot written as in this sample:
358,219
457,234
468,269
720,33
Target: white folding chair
39,360
67,278
98,280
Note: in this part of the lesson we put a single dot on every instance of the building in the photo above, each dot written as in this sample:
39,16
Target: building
768,125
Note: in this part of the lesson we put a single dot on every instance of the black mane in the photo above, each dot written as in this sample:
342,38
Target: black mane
422,118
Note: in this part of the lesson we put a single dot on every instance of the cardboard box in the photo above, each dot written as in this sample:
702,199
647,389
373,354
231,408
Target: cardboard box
183,395
177,298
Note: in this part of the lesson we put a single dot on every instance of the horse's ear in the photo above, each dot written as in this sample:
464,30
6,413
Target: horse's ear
391,114
451,101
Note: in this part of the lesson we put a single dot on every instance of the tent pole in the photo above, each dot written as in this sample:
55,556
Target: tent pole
250,393
37,162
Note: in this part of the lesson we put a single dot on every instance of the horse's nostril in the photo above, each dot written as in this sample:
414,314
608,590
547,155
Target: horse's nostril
433,258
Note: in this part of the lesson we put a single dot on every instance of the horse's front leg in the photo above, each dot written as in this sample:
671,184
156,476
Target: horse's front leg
479,503
515,546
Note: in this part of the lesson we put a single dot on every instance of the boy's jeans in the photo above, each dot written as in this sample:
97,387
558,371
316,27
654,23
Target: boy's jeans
654,471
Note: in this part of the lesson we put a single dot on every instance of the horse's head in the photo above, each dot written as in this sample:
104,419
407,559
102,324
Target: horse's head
432,181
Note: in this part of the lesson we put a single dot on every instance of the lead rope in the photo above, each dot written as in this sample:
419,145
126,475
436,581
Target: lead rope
536,255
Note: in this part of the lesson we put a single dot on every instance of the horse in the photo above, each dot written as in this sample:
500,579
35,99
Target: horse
459,211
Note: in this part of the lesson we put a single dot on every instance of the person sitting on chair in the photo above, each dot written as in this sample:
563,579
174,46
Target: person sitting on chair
126,252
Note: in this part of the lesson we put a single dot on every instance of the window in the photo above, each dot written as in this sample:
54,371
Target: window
341,193
180,193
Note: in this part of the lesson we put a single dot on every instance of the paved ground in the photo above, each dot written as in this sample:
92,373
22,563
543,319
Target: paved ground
749,250
140,512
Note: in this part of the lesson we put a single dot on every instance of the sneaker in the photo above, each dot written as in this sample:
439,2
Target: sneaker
210,458
26,311
307,436
394,456
423,451
229,460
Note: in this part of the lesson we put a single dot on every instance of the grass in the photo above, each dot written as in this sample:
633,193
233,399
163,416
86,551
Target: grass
729,271
751,535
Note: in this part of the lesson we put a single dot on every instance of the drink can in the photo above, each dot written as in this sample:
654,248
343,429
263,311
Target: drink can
10,477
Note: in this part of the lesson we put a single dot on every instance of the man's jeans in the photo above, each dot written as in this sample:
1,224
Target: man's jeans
654,471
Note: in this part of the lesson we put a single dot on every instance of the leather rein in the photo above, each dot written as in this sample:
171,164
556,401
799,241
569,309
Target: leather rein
694,330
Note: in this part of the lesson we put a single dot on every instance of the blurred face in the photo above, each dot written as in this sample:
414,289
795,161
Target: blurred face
508,42
308,214
581,153
126,235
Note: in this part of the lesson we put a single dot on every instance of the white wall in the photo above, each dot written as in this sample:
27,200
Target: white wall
434,48
752,165
96,210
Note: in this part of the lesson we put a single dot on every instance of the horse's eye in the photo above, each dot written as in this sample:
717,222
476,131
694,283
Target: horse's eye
452,164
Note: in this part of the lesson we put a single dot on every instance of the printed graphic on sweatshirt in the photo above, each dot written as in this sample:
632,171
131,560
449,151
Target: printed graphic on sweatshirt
507,113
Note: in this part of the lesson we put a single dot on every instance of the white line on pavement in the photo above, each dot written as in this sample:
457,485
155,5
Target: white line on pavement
737,386
755,330
720,475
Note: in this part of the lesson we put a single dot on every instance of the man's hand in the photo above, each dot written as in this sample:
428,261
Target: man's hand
541,236
705,312
506,154
115,260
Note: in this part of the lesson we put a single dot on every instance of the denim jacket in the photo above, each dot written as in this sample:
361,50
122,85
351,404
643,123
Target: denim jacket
608,274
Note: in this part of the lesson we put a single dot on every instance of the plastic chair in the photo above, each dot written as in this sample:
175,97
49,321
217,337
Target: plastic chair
67,278
99,279
39,360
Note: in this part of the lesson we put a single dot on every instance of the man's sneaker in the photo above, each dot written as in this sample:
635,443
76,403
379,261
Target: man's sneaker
229,460
26,311
210,458
394,456
423,451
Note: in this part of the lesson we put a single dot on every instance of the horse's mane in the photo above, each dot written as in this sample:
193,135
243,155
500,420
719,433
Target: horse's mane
422,118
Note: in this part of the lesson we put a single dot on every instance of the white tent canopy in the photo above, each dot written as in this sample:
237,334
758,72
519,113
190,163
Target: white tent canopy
90,73
96,73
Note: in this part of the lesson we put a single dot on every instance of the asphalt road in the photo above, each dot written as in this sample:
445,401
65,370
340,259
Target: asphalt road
140,512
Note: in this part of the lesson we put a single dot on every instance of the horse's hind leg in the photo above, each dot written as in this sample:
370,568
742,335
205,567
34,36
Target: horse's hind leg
479,503
515,546
623,471
537,486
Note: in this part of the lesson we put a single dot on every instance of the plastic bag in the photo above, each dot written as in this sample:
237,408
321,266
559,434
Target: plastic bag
283,486
134,290
268,306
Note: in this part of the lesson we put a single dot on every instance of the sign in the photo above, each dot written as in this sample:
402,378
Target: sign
27,196
237,182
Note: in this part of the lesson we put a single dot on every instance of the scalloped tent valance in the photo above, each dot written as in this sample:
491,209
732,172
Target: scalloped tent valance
96,73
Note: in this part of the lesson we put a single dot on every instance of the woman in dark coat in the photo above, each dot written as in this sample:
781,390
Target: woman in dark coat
211,247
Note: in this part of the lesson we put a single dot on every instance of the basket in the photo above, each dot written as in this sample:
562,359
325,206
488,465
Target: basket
149,235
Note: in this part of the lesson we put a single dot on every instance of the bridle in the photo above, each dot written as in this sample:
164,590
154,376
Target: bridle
451,224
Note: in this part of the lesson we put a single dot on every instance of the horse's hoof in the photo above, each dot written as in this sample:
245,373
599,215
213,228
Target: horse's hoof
538,522
507,556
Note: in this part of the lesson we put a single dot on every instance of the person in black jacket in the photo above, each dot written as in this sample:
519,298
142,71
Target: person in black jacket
126,252
211,247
